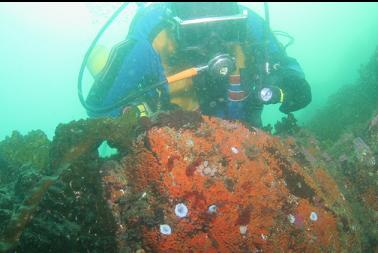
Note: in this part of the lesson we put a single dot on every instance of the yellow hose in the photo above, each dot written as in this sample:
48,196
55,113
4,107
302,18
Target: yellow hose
182,75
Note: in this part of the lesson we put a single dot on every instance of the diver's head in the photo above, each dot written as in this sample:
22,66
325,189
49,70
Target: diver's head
207,27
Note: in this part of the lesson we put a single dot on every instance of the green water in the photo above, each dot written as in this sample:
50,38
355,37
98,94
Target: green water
42,46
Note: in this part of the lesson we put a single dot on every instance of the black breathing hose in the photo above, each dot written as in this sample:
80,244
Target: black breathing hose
267,18
85,61
267,31
126,99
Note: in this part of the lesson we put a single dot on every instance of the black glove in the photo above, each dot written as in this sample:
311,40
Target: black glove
269,94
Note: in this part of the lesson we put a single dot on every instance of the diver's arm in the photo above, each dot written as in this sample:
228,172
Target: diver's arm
296,90
289,76
134,65
141,67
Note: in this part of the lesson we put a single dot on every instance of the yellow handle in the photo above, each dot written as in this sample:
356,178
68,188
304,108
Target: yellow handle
182,75
281,96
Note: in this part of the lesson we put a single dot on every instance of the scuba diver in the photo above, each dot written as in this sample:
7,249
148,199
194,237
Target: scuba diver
220,59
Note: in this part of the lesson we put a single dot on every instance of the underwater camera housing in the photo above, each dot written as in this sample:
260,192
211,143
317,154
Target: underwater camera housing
197,25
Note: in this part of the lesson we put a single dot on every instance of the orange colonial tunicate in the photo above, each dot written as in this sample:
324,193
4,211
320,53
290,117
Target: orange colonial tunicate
244,191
